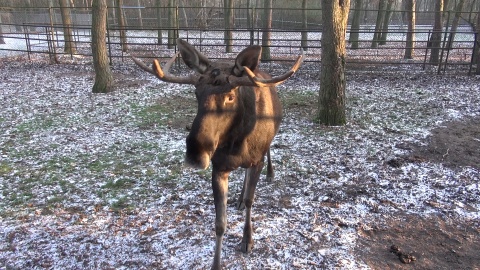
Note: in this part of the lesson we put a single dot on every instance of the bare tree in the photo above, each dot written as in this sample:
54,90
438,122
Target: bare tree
378,24
111,12
436,38
2,40
251,21
355,27
29,13
67,28
476,53
304,41
139,12
122,25
456,20
267,29
386,22
331,105
410,42
158,4
229,25
173,21
103,75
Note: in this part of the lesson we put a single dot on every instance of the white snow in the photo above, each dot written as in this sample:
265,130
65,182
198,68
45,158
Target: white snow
70,158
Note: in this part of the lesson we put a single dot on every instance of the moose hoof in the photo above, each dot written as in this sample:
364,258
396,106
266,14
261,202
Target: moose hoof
246,247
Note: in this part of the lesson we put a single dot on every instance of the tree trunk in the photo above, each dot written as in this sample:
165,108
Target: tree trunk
185,16
304,42
229,24
110,11
355,28
436,38
67,28
29,14
121,26
173,19
410,43
159,22
2,40
331,105
103,75
476,53
378,24
139,12
267,29
251,20
456,20
386,22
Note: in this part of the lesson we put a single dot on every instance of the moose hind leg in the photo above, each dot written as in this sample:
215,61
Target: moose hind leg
270,176
270,172
240,204
251,180
220,190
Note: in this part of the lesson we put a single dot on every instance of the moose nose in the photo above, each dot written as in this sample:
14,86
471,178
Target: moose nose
198,162
198,153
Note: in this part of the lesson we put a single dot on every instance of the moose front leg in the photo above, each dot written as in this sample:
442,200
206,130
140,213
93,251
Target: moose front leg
220,193
251,179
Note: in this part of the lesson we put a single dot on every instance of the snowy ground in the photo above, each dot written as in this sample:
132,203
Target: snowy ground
96,181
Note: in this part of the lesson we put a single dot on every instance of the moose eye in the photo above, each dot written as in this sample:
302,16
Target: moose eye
216,72
229,98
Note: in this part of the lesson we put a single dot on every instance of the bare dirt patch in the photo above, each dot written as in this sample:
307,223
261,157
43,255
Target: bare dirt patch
433,243
414,242
456,143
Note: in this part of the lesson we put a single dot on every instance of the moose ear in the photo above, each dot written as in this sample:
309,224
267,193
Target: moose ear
249,57
193,58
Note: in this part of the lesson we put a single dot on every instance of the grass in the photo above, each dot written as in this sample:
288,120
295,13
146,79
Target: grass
46,176
111,175
122,183
174,111
299,99
153,115
5,168
120,175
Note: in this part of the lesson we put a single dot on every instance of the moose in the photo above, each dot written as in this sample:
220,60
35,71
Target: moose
239,113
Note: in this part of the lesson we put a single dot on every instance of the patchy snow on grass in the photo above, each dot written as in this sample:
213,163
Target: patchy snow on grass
97,181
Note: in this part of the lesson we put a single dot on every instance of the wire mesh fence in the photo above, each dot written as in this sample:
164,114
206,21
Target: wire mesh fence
150,32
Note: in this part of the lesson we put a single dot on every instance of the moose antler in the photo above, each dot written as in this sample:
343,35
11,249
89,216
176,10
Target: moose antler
165,75
250,80
254,80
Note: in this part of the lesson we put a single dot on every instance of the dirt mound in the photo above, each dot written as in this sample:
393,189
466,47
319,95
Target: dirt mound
427,243
454,144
